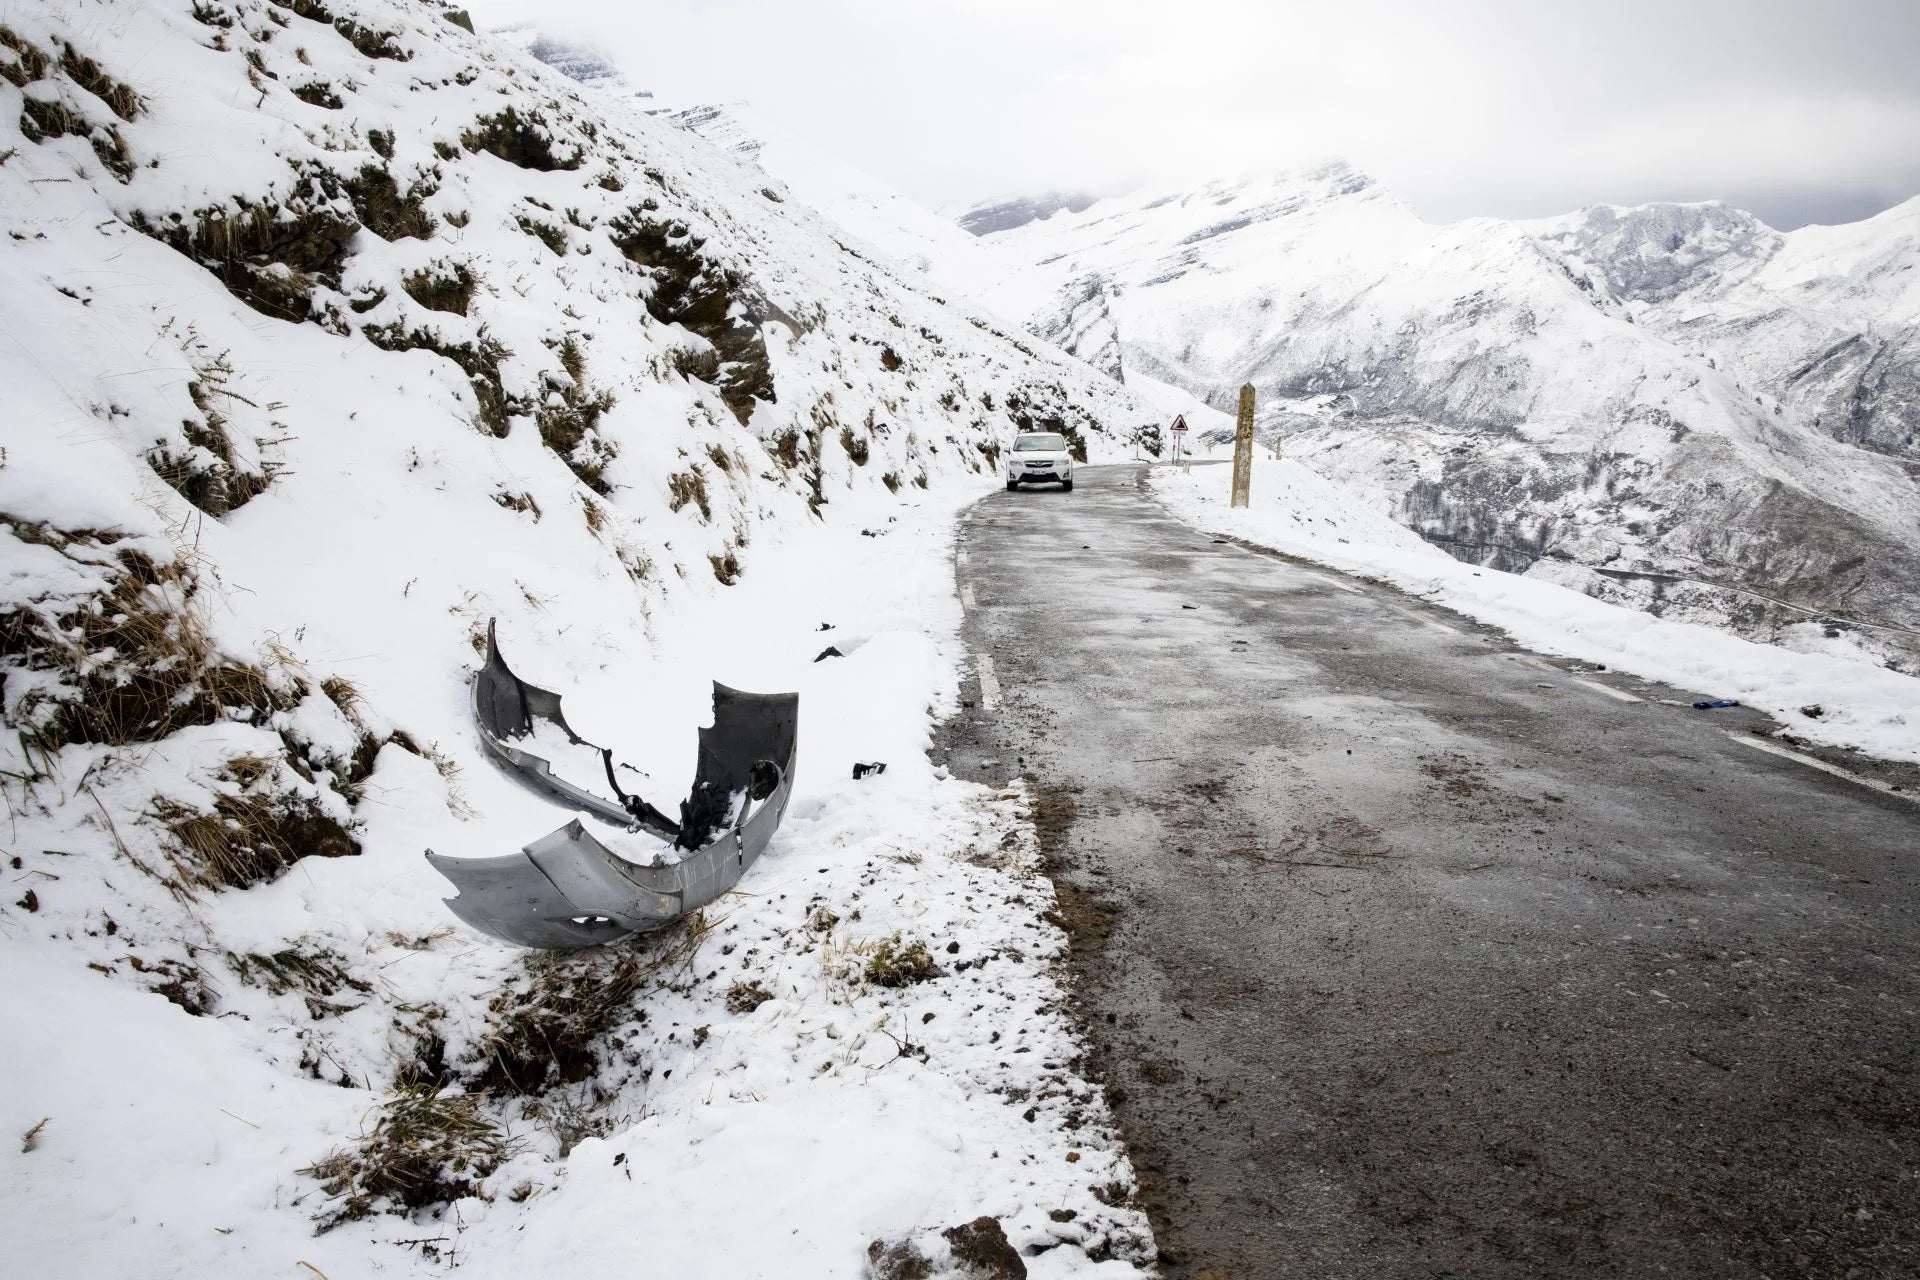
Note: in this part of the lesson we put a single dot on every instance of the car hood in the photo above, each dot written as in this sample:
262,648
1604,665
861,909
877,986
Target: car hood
1035,455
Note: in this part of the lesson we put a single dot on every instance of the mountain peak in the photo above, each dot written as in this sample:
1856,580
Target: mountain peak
1017,211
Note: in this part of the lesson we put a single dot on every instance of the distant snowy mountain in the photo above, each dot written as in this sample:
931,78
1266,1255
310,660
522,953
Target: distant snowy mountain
1675,406
574,60
1825,319
1006,215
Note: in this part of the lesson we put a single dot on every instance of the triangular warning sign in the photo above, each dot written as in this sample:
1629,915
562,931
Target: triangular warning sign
1180,422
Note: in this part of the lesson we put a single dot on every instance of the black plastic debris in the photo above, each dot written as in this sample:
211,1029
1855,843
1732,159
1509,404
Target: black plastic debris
825,626
1813,711
862,770
1714,704
1189,606
829,652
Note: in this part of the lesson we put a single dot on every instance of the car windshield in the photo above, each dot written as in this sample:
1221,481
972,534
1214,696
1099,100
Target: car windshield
1040,444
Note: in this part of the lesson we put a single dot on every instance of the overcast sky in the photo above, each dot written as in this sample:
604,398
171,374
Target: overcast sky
1798,111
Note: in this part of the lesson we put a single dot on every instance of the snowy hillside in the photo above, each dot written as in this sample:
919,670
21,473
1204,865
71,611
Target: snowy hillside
921,244
1675,407
333,331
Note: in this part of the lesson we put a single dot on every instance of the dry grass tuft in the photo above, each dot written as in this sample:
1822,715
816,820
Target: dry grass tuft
745,997
248,838
210,474
519,140
445,286
316,972
570,420
480,360
897,962
689,486
855,447
544,1027
387,211
426,1148
130,662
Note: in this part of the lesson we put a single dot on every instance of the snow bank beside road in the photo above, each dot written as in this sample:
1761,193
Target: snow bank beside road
1297,511
774,1133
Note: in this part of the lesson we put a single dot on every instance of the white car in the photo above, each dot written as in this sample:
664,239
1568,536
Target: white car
1041,455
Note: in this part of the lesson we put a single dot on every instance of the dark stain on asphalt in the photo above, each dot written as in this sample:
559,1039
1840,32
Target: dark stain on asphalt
1402,957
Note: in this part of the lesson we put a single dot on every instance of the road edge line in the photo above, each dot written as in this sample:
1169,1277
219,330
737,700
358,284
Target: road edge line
989,685
1775,749
1607,689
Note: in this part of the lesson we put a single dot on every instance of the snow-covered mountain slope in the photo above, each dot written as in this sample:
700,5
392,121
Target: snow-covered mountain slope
1824,319
1662,406
922,245
329,331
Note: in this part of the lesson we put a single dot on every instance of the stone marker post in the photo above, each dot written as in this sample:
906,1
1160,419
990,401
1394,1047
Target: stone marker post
1243,448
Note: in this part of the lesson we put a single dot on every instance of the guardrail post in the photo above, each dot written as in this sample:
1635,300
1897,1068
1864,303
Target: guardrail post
1243,448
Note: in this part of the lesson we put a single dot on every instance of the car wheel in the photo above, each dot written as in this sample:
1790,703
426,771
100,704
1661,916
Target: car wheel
1012,485
1067,484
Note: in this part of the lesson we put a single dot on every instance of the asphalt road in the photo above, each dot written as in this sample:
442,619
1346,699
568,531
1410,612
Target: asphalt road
1406,953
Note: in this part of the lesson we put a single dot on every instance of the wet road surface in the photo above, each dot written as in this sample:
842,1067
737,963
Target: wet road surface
1406,953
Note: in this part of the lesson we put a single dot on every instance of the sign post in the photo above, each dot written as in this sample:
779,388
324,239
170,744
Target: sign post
1243,449
1179,437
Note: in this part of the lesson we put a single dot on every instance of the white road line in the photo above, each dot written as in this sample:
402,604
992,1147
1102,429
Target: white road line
989,687
1609,690
966,596
1775,749
1411,616
1335,582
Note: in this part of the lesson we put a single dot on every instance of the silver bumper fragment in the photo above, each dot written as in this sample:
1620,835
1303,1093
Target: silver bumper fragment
567,889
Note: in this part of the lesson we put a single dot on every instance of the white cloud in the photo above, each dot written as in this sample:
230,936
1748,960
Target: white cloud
1480,106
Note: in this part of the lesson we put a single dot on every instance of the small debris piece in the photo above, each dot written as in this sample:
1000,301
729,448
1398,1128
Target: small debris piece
1813,711
825,626
31,1138
1714,704
1189,606
862,770
829,652
31,901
